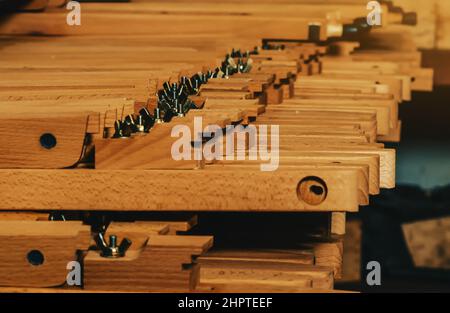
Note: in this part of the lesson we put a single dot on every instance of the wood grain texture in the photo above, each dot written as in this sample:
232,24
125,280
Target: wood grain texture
20,143
428,242
332,109
351,271
329,254
173,190
262,270
338,221
57,241
157,264
122,23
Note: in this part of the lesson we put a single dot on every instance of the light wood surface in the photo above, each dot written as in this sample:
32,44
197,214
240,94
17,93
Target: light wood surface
334,102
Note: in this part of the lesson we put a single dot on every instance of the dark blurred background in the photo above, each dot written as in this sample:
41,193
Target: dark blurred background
407,230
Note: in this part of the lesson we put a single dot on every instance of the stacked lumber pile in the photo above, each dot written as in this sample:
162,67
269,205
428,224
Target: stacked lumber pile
84,146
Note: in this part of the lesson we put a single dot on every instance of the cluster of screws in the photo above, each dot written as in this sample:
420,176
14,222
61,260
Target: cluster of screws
132,124
173,98
236,62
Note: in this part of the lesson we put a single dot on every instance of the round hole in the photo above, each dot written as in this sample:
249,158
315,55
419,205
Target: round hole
35,257
312,190
48,141
317,190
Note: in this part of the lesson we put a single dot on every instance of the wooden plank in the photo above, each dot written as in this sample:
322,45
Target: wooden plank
428,242
44,190
45,142
122,23
351,271
36,254
159,257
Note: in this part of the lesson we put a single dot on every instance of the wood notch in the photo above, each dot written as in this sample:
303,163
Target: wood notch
42,142
153,262
36,253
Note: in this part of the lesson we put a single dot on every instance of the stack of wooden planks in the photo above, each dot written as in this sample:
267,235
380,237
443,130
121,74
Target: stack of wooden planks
69,96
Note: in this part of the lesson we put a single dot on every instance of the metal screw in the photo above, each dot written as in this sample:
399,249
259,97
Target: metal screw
180,109
113,241
111,250
119,133
56,216
158,119
140,124
146,119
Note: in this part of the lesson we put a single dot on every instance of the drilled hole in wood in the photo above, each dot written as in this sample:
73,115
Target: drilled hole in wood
48,141
35,257
317,190
312,190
